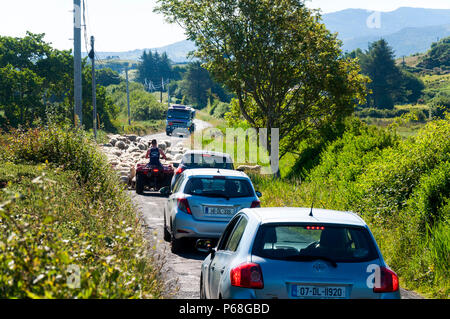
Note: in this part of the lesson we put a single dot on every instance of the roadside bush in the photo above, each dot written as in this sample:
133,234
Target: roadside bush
431,197
345,159
388,182
143,127
62,210
400,187
308,154
379,113
146,107
219,109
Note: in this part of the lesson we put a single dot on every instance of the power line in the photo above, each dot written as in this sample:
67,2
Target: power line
84,27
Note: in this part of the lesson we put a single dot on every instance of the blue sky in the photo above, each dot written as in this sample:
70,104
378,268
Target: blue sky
122,25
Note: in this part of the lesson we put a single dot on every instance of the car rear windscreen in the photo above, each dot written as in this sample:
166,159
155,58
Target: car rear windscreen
206,161
179,114
219,187
305,242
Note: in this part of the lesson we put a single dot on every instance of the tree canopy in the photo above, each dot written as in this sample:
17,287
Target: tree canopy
285,68
438,56
154,67
107,76
36,83
389,84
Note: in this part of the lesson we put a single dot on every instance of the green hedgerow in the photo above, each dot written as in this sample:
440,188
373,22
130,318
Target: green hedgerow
62,210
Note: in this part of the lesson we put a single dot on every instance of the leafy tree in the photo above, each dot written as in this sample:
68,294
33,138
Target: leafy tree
285,68
20,95
379,64
412,88
36,82
196,85
144,106
154,67
438,56
107,77
390,84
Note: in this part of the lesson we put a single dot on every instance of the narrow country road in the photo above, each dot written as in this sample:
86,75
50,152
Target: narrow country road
181,271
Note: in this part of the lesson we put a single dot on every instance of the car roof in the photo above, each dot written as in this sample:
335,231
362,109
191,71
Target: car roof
180,107
214,172
206,152
302,215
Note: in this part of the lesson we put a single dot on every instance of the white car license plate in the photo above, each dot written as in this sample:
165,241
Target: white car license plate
220,211
303,291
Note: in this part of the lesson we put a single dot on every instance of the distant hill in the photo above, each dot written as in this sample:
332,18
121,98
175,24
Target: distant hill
177,52
405,42
408,31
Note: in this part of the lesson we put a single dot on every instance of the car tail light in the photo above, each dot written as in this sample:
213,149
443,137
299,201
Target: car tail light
388,281
315,227
155,170
179,170
183,205
255,204
170,123
248,275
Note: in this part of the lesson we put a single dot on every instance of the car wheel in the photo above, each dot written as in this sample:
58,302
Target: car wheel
202,288
139,184
167,236
176,245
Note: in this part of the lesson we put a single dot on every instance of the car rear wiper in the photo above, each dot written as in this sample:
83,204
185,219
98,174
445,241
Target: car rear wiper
311,258
211,195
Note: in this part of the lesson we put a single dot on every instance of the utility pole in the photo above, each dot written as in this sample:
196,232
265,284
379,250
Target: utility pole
162,87
78,110
168,95
94,89
128,96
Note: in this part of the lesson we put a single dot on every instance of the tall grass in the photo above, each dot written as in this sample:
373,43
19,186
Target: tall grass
400,187
62,210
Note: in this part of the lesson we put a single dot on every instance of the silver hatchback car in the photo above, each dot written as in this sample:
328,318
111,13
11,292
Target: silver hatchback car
203,202
296,253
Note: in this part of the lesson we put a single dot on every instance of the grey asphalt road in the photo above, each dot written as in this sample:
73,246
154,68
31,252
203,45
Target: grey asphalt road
181,271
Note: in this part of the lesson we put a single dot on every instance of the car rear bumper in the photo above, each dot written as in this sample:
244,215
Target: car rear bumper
185,226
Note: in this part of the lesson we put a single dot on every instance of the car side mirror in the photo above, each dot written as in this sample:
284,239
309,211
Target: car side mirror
165,191
258,193
175,165
204,246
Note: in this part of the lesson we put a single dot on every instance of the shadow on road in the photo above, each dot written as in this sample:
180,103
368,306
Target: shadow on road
190,252
153,194
194,255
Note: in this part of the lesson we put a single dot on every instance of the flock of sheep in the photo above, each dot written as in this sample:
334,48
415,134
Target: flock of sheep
124,152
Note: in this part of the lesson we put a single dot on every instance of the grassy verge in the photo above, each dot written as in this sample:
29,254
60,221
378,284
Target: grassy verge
401,187
139,127
68,229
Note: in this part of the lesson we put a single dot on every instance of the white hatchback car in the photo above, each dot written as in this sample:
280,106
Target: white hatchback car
203,201
296,253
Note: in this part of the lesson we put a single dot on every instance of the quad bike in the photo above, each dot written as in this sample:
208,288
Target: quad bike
152,177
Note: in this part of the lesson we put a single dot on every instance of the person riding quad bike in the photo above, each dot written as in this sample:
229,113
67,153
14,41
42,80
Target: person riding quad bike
153,153
153,175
